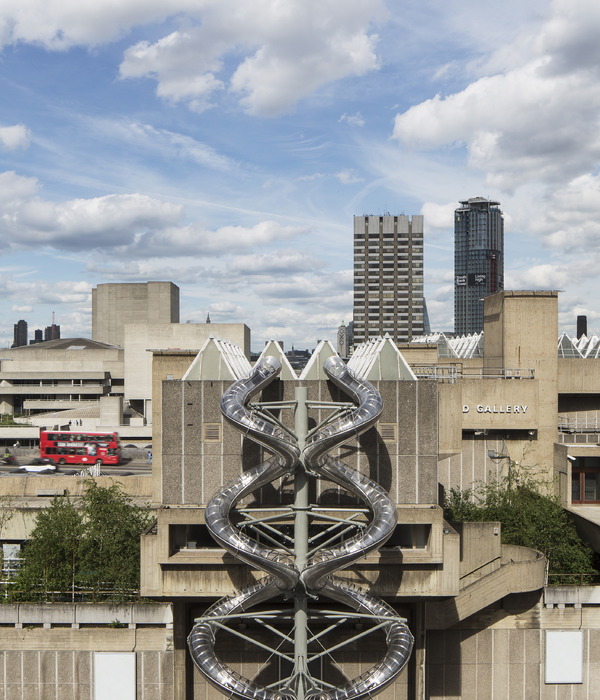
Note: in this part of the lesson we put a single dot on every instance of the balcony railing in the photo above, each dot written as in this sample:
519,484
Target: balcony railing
574,425
450,373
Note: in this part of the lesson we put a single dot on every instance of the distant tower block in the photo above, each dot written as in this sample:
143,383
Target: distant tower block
388,278
20,334
115,305
343,345
478,261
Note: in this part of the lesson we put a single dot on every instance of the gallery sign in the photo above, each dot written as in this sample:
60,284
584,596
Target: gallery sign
497,408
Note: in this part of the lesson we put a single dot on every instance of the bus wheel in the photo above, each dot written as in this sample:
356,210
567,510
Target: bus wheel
62,461
98,462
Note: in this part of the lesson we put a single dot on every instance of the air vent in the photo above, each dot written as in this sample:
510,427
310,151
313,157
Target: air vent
388,432
212,432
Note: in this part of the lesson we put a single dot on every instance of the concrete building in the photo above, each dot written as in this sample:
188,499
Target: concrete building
478,260
140,339
20,334
485,624
388,277
115,305
49,378
455,412
101,385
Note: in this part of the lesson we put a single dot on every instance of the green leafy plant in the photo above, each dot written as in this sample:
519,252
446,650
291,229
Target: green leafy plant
93,545
530,516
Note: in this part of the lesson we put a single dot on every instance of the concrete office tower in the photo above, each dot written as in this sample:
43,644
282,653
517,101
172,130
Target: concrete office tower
388,277
478,260
20,334
115,305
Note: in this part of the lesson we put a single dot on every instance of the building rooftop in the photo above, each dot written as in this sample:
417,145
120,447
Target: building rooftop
66,344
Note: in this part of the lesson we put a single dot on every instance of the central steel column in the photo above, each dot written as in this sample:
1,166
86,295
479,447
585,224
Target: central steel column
301,503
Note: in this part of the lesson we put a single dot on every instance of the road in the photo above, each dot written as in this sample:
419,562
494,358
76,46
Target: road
128,467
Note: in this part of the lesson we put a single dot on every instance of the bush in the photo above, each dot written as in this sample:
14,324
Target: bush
529,517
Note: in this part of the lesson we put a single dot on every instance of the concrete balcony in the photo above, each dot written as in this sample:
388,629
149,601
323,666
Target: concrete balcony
76,615
58,404
69,389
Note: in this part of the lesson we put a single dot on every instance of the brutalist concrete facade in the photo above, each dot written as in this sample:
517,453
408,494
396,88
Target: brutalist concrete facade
438,583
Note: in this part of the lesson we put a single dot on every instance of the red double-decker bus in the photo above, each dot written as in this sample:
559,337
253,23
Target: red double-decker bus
67,447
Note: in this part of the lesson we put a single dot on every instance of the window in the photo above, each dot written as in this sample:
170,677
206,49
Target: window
585,480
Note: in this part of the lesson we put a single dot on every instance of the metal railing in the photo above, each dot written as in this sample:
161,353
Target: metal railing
591,579
10,594
573,425
450,373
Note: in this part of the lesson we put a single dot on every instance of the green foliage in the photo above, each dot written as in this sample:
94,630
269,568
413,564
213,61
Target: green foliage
529,517
110,543
52,554
94,546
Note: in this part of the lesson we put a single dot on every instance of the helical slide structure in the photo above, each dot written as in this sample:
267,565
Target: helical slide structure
307,579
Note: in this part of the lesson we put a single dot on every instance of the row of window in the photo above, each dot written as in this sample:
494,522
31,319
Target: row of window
80,437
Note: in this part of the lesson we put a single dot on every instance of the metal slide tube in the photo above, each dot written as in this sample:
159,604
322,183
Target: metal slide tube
284,574
302,576
317,574
201,642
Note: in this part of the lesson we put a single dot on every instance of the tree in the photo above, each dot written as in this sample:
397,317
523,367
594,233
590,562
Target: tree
530,517
51,557
110,544
93,546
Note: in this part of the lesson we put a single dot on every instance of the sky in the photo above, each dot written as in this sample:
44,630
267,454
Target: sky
225,145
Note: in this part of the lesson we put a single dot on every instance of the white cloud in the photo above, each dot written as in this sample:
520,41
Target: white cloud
269,54
30,294
60,24
13,137
27,220
513,122
438,216
348,177
282,262
543,276
353,119
14,190
166,144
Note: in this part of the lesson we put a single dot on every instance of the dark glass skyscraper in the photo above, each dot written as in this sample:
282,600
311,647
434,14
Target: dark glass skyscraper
478,260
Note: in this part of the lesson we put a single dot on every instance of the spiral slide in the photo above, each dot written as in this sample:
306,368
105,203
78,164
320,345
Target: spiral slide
316,580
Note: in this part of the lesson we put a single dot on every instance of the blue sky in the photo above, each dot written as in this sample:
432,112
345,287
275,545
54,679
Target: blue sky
225,145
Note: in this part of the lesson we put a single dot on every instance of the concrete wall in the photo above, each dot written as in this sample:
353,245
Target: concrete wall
521,331
139,338
48,651
474,466
499,653
116,304
403,462
577,375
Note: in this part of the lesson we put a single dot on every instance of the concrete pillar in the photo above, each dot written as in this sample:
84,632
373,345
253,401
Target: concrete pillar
419,651
180,651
